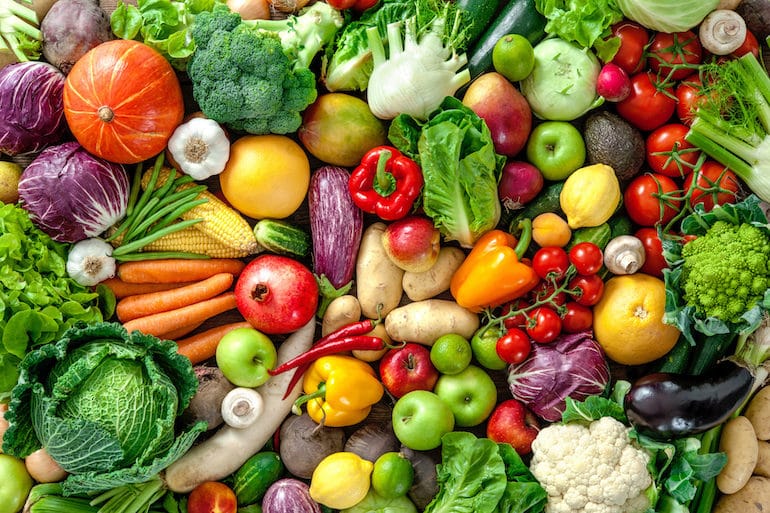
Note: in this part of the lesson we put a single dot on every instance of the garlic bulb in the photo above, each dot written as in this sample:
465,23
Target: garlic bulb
200,147
90,262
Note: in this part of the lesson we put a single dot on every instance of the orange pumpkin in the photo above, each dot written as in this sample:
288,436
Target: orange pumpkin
122,101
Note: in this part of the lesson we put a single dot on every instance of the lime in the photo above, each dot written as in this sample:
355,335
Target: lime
513,57
451,353
393,475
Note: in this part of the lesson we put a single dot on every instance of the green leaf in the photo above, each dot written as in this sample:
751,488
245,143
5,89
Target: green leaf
126,21
24,328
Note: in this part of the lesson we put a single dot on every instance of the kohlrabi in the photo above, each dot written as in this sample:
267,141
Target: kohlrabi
425,55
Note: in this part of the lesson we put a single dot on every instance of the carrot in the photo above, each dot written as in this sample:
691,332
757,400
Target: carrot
175,270
123,289
202,346
156,302
181,332
164,322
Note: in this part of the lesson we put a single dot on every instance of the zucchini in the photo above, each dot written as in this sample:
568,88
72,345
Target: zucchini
516,17
255,476
282,237
676,360
546,201
481,13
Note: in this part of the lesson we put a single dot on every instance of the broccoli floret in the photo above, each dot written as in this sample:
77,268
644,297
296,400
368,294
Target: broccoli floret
725,271
254,75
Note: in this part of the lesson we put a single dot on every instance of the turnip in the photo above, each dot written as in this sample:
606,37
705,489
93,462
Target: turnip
520,183
613,83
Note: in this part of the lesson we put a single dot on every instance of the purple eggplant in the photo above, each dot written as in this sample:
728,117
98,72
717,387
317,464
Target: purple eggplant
289,495
665,405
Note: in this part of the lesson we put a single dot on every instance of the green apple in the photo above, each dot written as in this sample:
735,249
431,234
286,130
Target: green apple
556,148
420,419
484,347
244,355
15,484
471,395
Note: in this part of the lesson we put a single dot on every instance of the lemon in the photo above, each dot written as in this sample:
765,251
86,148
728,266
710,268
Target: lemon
341,480
10,172
628,320
513,57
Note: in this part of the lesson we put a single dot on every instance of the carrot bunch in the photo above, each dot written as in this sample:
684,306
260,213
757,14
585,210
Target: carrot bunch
171,298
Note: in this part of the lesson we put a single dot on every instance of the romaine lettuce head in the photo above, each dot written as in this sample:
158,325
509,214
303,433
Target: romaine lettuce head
104,403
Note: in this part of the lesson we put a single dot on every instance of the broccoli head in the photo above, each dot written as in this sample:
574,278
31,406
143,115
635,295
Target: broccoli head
243,78
725,271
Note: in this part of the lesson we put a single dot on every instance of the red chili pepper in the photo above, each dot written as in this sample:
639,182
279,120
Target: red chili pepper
386,183
338,345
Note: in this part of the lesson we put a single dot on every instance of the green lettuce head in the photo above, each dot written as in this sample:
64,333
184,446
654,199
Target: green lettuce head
104,403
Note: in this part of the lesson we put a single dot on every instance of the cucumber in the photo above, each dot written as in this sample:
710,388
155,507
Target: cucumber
282,237
620,224
546,201
516,17
481,12
599,235
676,360
255,476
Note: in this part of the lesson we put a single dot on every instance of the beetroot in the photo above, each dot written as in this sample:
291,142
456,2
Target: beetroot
520,183
70,29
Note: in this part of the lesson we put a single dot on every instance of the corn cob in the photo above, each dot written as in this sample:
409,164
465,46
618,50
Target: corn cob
192,240
220,222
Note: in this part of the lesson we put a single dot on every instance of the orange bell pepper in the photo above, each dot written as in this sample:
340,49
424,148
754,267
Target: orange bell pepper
492,274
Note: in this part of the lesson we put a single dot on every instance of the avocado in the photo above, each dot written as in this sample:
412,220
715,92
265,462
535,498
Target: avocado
611,140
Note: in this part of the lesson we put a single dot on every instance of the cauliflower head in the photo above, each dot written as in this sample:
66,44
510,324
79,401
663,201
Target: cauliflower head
593,468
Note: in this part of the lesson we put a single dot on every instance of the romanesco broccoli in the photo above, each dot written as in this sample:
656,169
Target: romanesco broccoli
725,271
253,75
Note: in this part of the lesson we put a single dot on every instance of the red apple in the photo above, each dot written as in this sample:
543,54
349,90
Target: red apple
276,294
406,369
511,422
212,497
412,243
504,109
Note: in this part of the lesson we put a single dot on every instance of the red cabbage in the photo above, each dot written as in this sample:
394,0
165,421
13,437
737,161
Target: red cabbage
573,366
31,107
289,495
72,195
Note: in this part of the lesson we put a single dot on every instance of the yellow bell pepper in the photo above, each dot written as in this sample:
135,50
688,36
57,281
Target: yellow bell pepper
340,390
492,274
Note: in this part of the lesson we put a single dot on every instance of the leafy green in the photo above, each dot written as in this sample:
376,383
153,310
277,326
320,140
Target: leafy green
680,15
481,476
586,22
161,24
104,403
38,300
460,168
595,407
375,503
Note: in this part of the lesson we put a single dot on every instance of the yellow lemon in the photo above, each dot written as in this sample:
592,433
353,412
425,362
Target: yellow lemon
341,480
628,320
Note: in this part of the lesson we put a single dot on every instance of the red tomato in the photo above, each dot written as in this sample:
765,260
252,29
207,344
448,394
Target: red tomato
587,257
550,261
545,290
688,96
517,320
591,288
514,346
642,201
749,45
341,4
362,5
668,153
576,318
633,38
715,185
544,325
654,263
647,107
674,55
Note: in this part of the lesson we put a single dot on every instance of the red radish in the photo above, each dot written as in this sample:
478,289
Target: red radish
613,83
519,184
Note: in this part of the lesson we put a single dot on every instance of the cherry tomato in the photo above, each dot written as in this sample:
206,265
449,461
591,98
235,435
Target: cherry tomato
576,318
362,5
688,97
544,325
517,320
647,107
591,288
341,4
749,45
633,38
678,48
545,290
550,261
668,153
587,257
654,263
716,185
514,346
642,202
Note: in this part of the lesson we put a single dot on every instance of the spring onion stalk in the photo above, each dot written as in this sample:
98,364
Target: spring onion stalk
732,125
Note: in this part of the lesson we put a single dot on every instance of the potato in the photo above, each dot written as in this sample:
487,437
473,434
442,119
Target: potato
758,412
434,281
739,443
341,311
763,460
378,279
752,498
425,321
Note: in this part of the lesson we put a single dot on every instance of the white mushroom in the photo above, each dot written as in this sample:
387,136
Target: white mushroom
241,407
624,255
722,31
